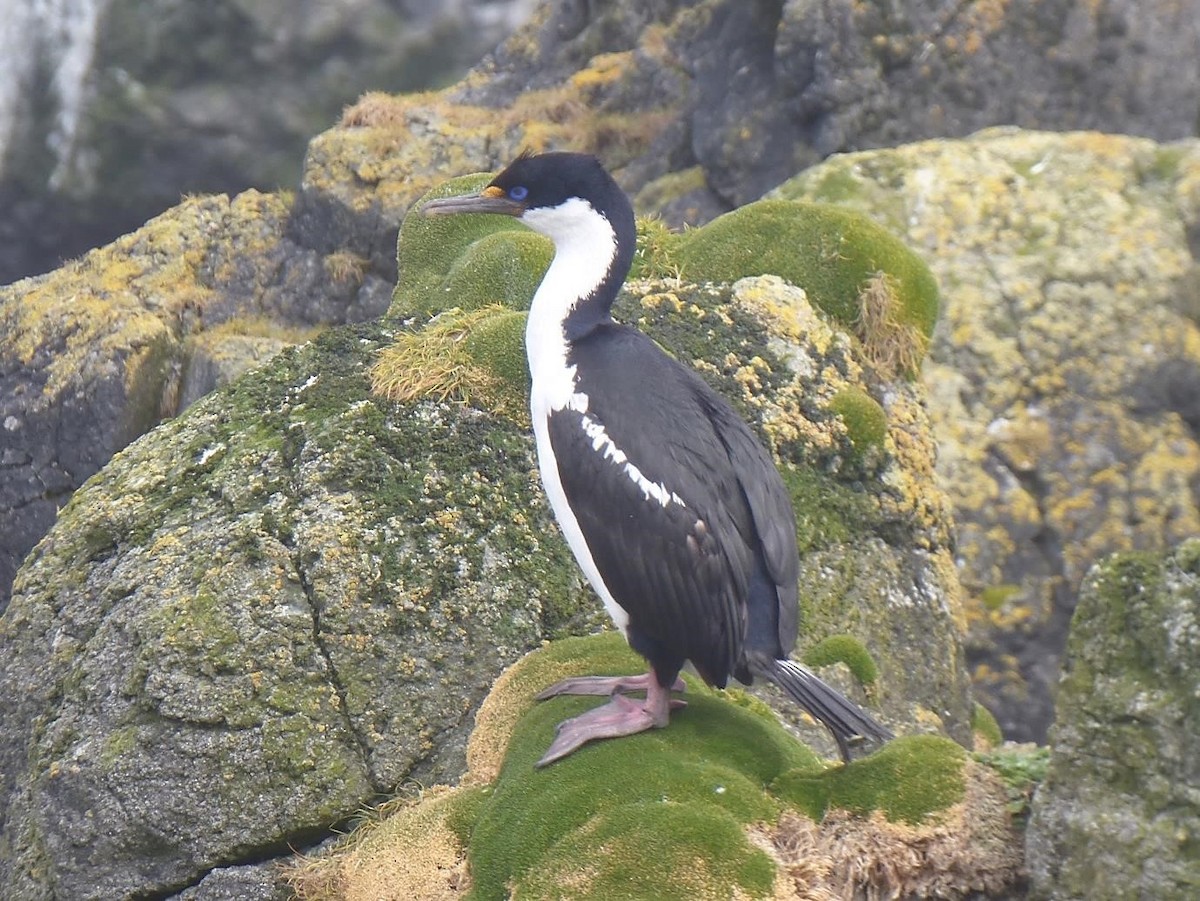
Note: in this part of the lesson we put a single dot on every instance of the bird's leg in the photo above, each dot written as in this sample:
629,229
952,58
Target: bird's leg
620,716
605,685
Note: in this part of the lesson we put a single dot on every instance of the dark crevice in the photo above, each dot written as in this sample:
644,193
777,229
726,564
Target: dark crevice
364,747
298,842
292,450
1040,657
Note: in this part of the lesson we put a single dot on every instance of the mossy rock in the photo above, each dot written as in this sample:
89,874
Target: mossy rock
697,810
853,269
497,344
987,731
504,267
831,252
465,261
908,780
865,419
848,650
708,766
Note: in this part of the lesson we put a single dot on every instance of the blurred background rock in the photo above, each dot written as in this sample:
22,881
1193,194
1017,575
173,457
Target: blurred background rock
110,110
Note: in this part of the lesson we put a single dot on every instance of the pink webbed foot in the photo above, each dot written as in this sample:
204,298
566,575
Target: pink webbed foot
620,716
605,685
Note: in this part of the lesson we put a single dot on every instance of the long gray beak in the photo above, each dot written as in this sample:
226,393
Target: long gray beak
490,200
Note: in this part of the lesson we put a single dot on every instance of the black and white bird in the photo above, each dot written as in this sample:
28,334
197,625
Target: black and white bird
672,508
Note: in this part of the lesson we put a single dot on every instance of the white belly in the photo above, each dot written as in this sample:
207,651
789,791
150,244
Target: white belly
552,483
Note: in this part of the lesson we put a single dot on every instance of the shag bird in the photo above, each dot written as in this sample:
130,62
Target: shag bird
672,508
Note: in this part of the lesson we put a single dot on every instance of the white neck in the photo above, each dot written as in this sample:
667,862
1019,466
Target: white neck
584,247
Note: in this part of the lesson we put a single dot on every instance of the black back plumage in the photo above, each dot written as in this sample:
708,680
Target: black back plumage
699,577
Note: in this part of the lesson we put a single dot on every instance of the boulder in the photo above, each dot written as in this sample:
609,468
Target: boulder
94,354
1064,375
1119,811
720,804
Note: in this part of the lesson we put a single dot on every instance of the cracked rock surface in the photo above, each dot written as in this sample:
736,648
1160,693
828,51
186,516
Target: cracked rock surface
1119,810
246,629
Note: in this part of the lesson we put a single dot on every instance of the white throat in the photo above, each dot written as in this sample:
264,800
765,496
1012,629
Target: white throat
584,247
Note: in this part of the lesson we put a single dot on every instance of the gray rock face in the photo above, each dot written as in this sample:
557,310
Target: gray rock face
292,598
257,620
1119,812
771,87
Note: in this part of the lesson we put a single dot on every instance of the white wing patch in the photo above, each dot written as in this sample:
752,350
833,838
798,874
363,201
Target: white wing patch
604,445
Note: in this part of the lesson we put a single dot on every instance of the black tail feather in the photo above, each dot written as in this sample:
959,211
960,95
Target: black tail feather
849,723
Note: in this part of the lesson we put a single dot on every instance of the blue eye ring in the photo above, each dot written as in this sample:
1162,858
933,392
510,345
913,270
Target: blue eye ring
519,192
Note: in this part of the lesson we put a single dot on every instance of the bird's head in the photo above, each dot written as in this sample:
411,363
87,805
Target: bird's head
553,193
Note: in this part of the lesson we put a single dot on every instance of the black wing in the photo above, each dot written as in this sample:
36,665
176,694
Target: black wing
678,502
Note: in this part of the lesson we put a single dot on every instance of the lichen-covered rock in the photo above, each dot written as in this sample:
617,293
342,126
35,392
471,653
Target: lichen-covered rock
722,803
215,359
281,603
1063,377
95,353
291,597
701,107
1119,812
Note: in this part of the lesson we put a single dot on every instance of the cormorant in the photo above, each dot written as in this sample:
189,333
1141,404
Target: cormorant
673,509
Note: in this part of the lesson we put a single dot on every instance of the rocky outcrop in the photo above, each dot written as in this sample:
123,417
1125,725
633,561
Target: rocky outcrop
702,107
721,804
262,615
99,351
697,107
1118,814
292,597
1064,374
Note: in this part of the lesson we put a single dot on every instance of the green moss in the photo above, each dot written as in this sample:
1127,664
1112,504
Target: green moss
996,596
117,745
827,512
1164,165
671,187
504,267
907,780
828,251
985,725
848,650
657,849
1124,623
497,344
1187,556
866,421
200,625
1021,768
429,247
708,765
464,811
836,186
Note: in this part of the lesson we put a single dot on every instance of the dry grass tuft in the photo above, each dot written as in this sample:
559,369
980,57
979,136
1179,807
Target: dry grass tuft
973,848
433,363
895,348
402,853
